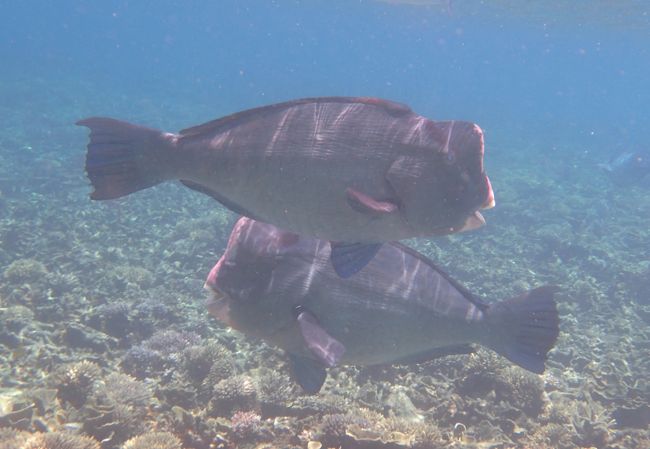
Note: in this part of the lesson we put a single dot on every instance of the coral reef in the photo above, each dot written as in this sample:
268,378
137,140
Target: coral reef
235,393
59,440
105,342
246,425
12,438
74,381
153,440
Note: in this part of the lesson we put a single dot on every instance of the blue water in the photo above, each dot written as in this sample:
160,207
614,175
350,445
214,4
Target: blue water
558,87
580,77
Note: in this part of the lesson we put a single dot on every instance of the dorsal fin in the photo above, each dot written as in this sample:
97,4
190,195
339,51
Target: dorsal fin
478,302
230,120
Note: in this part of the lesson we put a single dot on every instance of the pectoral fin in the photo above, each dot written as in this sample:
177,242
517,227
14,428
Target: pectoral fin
310,374
327,349
365,204
349,258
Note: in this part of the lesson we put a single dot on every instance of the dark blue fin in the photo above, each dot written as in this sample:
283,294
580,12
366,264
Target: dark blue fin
435,353
123,158
529,326
310,374
327,349
225,202
349,258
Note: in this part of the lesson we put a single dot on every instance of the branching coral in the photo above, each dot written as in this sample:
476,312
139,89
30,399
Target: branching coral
198,361
25,271
74,381
11,438
235,393
163,350
117,408
153,440
246,425
60,440
275,390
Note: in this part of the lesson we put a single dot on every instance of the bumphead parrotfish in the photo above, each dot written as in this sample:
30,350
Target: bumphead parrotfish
629,167
400,308
355,171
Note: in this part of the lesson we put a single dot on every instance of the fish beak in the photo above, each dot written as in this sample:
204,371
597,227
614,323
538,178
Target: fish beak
474,221
489,202
218,304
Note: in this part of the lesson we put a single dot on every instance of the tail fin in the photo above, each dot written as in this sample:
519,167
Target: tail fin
123,158
527,327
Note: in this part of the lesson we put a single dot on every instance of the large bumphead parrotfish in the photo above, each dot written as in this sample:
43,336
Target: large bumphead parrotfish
400,308
354,171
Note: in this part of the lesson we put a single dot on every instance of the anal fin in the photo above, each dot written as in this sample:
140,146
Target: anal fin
310,374
225,202
435,354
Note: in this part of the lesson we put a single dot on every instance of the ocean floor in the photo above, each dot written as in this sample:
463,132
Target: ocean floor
105,341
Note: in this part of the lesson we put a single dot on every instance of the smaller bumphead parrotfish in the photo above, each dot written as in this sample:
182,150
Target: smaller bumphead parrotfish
355,171
628,167
400,308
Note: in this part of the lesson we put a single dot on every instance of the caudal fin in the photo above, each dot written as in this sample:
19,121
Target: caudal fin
526,327
123,158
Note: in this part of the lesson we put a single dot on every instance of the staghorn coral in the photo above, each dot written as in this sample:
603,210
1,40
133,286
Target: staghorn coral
553,435
333,428
121,388
12,438
121,276
220,370
153,440
308,405
74,381
235,393
25,271
177,391
198,362
246,425
488,375
523,389
15,318
367,428
112,318
161,351
275,390
171,343
117,408
60,440
142,362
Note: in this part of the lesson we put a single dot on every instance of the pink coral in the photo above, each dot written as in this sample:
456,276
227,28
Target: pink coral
246,424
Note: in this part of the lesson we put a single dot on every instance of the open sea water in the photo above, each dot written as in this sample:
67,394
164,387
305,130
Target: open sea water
104,337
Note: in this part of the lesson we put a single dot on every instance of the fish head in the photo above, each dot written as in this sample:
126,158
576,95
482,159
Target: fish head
239,285
465,185
445,194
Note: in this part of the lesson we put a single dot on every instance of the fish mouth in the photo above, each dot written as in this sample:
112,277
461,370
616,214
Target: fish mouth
489,202
218,303
472,222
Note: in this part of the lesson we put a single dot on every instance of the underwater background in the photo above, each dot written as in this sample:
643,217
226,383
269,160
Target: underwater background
104,337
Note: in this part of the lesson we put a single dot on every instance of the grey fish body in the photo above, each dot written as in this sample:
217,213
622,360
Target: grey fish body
341,169
400,308
629,167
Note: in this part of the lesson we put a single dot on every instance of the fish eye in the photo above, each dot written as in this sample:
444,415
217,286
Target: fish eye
450,156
